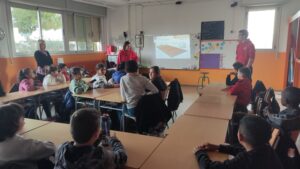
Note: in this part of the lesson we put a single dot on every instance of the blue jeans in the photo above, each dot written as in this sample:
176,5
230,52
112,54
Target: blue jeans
128,112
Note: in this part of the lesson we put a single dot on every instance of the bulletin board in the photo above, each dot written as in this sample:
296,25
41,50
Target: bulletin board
217,54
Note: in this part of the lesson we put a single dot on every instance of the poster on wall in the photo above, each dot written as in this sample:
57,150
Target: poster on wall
218,54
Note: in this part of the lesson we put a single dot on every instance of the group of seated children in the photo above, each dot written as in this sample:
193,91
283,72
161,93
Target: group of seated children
54,77
254,132
84,151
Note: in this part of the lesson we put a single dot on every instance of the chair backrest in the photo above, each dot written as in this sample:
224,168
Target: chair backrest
2,92
275,138
175,95
14,88
297,141
270,94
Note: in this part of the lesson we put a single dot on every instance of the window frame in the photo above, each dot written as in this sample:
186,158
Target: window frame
64,29
275,43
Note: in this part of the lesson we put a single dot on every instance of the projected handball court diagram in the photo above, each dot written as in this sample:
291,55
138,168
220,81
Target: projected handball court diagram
171,51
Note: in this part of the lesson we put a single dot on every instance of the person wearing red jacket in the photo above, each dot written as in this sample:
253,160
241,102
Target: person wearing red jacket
127,54
245,51
242,89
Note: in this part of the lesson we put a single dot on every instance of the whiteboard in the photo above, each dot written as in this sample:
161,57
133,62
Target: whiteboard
224,52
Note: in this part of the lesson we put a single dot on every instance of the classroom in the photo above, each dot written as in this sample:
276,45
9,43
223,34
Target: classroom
150,84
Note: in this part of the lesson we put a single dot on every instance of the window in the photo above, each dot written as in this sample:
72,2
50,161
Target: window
52,31
261,27
30,25
82,32
86,33
26,30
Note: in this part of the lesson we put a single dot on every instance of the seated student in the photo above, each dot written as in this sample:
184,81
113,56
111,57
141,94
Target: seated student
254,135
99,78
286,149
231,81
83,152
16,151
27,83
77,85
54,77
133,86
62,68
157,80
116,76
242,89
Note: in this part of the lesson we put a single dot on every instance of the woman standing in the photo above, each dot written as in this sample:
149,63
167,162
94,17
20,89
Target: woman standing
127,54
43,60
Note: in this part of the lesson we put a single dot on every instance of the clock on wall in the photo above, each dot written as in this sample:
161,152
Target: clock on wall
2,34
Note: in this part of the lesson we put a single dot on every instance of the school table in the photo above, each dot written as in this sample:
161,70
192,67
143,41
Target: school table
176,150
31,124
214,90
211,110
138,147
222,99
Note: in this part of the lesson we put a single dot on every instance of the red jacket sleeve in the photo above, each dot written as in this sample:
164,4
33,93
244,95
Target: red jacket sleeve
251,51
234,90
134,56
119,57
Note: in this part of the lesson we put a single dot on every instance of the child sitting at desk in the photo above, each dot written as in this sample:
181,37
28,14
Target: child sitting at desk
288,122
116,76
231,81
157,80
54,77
16,151
77,85
254,135
99,79
133,87
62,68
27,83
84,151
242,89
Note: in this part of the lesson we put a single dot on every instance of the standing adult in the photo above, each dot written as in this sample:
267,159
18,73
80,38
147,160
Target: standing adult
43,60
245,52
127,54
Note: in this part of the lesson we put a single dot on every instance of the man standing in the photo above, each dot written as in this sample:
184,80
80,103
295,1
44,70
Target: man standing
245,52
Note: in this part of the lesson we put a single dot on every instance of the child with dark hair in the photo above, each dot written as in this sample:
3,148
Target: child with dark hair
116,76
16,151
254,135
85,130
54,77
99,78
229,80
27,83
288,121
157,80
62,68
133,86
242,89
26,80
77,85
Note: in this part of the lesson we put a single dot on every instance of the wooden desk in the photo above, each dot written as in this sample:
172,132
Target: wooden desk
138,147
114,97
212,110
214,90
14,96
93,94
31,124
222,99
176,151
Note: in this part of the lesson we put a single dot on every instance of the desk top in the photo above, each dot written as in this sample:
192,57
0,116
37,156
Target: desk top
176,151
31,124
96,93
222,99
138,147
114,97
212,110
22,95
213,90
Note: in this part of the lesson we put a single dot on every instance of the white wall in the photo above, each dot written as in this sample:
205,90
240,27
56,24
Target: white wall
186,18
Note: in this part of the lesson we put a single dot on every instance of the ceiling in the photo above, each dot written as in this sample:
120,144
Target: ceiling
115,3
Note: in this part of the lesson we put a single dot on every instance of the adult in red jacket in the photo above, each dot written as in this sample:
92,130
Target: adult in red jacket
127,54
245,51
